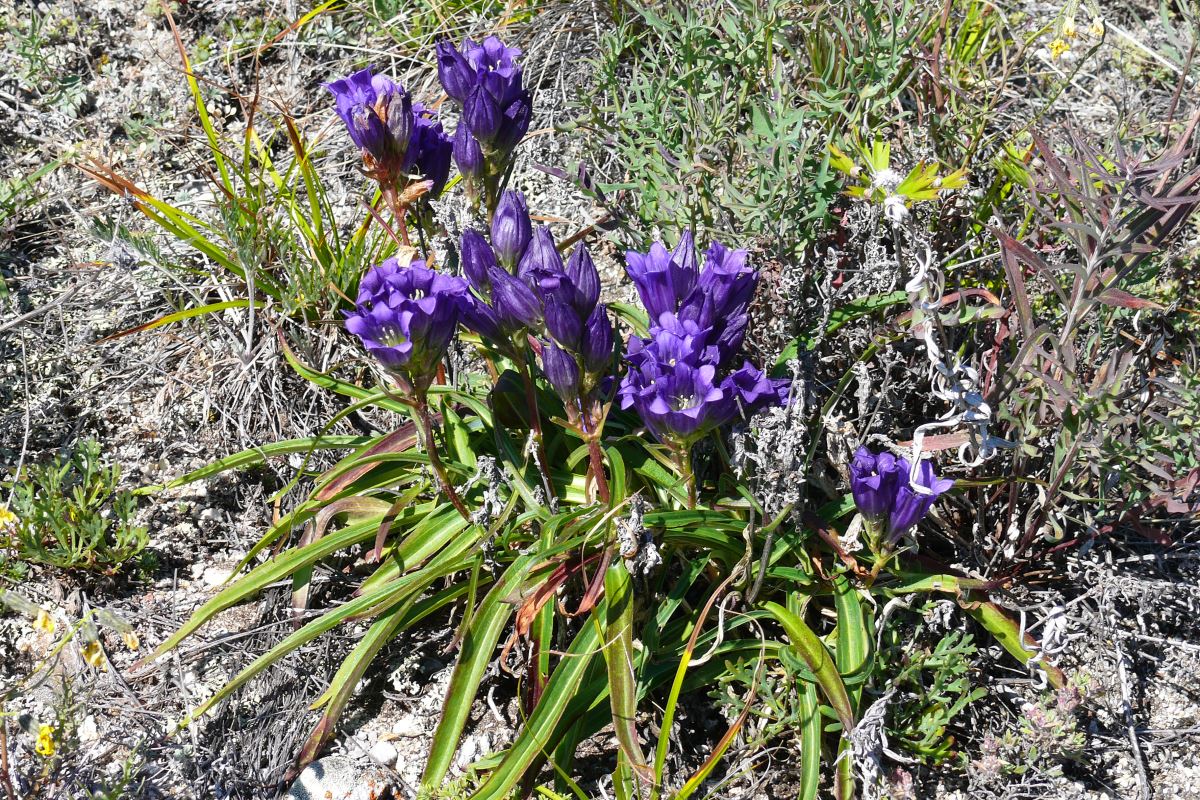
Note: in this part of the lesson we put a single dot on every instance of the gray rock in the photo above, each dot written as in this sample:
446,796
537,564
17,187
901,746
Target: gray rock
384,753
329,778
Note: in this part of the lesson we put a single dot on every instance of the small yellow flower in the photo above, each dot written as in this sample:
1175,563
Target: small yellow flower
45,741
1097,27
1068,28
1058,47
8,520
43,622
93,655
131,640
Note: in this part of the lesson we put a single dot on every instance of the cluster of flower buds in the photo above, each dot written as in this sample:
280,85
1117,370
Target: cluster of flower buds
402,142
892,495
523,287
485,81
406,316
680,379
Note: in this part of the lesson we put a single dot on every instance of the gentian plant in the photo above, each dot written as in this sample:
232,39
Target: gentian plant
551,527
404,148
484,81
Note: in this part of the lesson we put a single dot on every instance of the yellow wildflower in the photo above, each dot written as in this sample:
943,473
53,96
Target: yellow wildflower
43,622
1068,28
45,741
1058,47
93,655
1097,27
131,640
8,520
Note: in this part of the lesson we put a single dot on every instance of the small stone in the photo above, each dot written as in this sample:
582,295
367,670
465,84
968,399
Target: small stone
329,778
408,727
216,576
87,731
383,753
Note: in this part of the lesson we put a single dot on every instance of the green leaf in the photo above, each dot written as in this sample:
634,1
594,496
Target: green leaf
617,608
476,652
538,736
812,650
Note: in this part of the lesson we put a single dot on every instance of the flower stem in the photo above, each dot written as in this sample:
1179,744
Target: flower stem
425,425
399,212
597,465
683,454
535,424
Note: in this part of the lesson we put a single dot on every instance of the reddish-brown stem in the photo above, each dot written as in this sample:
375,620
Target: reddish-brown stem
4,779
426,426
399,211
597,464
535,423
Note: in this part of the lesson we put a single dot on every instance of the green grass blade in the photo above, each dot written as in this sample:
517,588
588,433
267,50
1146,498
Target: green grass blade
540,733
617,609
257,455
478,647
810,743
812,650
265,574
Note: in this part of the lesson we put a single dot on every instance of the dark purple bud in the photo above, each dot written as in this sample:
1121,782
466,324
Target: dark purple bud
511,228
561,370
429,150
515,303
597,342
541,264
582,272
467,154
515,123
482,114
563,322
477,261
873,480
456,75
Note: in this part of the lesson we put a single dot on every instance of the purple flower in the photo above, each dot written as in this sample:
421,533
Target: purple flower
675,386
485,81
717,297
511,228
873,482
663,279
405,317
398,138
885,496
914,497
379,118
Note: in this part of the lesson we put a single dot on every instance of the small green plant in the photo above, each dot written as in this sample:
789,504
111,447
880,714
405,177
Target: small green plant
69,514
934,686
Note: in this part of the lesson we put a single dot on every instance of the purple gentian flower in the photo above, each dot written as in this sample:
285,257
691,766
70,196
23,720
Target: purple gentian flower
511,228
405,317
379,118
873,481
915,495
885,495
676,389
484,80
663,279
